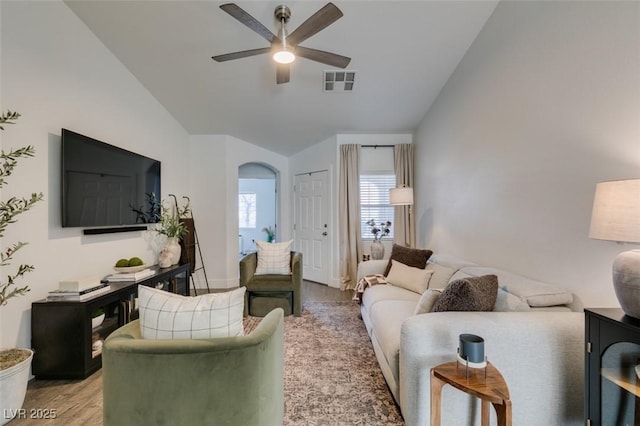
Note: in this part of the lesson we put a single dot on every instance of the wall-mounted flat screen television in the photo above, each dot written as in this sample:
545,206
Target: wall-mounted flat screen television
107,186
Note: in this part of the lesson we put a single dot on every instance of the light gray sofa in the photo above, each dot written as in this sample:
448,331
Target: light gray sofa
534,336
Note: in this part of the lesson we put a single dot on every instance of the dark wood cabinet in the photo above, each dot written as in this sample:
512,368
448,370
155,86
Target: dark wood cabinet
62,334
612,372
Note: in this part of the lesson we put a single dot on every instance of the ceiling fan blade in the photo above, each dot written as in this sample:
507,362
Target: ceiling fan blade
248,20
241,54
283,71
324,17
321,56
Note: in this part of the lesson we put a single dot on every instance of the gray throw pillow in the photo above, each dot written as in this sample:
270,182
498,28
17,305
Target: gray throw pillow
416,258
468,294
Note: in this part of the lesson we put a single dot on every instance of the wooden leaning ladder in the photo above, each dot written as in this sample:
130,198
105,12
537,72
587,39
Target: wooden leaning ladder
190,246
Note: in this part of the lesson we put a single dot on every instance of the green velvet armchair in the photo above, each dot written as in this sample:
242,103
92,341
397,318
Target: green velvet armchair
224,381
271,286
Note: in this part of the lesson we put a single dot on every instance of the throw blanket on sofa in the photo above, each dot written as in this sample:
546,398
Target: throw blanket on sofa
365,282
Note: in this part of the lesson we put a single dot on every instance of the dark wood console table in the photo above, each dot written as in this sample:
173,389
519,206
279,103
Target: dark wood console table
62,335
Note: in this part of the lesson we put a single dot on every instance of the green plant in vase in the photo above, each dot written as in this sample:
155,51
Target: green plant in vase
379,232
271,233
11,208
97,312
170,223
13,359
174,229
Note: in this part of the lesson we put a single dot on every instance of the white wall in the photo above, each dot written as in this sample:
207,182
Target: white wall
214,190
545,104
57,74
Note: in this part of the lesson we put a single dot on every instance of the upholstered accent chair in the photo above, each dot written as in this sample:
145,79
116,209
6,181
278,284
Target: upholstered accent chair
222,381
265,292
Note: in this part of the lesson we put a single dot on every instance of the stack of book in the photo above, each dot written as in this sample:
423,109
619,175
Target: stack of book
134,276
78,289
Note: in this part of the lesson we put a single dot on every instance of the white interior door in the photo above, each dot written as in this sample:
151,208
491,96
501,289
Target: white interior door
311,226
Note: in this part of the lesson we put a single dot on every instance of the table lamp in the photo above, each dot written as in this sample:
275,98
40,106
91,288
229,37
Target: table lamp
616,217
401,196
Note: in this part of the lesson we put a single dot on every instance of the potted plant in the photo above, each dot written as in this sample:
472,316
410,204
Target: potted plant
377,249
14,363
271,234
97,317
174,229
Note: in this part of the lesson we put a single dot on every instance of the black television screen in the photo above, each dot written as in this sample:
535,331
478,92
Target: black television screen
103,185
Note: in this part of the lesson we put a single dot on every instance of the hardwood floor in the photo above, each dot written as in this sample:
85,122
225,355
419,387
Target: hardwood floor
79,402
314,292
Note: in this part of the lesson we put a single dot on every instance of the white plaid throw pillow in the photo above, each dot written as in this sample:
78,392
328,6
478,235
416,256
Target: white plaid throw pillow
274,258
165,315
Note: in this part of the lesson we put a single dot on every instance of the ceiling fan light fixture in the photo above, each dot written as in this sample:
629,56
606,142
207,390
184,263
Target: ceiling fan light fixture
284,49
284,56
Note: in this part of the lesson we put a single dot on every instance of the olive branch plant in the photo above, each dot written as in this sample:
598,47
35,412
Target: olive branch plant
11,208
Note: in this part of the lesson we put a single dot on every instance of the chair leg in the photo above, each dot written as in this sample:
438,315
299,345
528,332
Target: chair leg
297,304
246,303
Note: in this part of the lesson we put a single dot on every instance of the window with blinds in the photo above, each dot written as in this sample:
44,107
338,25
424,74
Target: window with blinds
374,201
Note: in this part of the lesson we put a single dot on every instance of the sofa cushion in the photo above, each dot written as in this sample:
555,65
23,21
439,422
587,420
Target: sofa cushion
535,293
386,319
450,261
459,275
416,258
274,258
410,278
506,302
441,275
165,315
469,294
383,292
427,300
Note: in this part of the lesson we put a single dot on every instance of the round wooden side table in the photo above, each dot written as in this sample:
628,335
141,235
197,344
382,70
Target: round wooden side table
485,384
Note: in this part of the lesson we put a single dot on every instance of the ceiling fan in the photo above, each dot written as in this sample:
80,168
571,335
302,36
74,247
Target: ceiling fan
284,46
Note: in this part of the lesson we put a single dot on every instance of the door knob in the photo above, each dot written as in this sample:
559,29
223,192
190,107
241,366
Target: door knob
324,233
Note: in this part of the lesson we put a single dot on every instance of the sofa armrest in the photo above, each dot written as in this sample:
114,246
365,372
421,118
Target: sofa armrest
128,339
221,381
248,265
540,355
371,267
296,266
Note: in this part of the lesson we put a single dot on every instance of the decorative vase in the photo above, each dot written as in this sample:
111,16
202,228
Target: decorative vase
13,388
173,249
97,321
377,250
164,258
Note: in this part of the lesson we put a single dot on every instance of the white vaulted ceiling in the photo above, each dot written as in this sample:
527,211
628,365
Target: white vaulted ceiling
403,53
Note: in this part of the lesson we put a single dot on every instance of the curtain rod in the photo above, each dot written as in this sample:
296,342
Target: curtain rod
377,146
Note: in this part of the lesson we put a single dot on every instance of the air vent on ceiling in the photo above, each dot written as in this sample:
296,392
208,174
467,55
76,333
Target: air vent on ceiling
339,81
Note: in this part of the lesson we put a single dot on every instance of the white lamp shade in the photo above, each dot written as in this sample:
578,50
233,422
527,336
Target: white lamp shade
616,211
401,196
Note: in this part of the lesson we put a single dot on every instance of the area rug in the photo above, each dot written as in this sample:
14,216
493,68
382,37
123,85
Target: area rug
331,373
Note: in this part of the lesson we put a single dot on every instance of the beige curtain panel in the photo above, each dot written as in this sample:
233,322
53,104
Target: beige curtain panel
349,210
405,228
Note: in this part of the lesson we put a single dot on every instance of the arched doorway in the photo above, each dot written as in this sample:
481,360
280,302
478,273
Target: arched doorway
257,205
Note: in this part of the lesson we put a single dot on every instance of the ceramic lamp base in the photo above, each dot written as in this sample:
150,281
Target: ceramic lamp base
626,281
